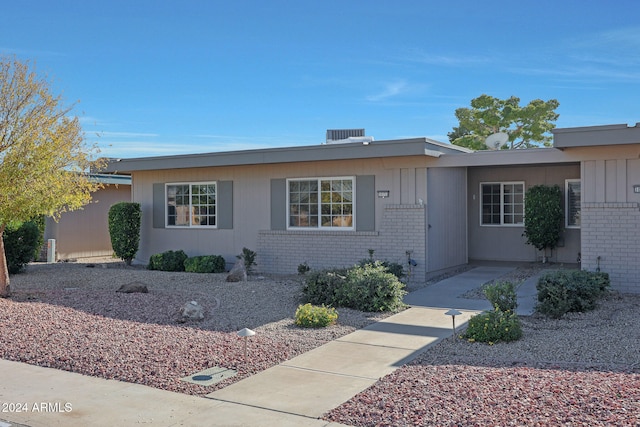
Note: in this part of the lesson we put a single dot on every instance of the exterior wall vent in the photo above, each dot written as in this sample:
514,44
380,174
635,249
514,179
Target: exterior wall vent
338,136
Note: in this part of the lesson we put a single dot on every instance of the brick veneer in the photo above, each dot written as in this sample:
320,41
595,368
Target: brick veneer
402,229
611,231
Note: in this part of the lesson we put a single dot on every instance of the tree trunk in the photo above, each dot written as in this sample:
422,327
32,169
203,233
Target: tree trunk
4,270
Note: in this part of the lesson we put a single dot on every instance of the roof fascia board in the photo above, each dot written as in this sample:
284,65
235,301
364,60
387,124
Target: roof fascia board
505,157
324,152
593,136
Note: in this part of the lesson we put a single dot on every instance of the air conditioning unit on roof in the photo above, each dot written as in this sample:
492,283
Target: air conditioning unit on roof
342,136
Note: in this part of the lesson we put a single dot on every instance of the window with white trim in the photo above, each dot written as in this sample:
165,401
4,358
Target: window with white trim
191,204
572,198
502,203
321,203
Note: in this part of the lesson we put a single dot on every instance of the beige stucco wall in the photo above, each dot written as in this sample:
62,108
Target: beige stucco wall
506,243
85,233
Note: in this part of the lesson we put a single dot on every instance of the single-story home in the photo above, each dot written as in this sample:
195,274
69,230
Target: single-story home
417,199
84,233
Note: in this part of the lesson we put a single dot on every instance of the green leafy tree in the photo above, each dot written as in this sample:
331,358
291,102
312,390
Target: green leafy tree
124,229
527,126
543,216
43,155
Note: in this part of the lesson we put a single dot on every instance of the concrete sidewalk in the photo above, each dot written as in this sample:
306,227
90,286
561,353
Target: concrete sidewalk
294,393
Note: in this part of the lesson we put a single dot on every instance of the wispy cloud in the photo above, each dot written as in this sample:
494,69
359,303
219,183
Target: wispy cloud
395,89
458,60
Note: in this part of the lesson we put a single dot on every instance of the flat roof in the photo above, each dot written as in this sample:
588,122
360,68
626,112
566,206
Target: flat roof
321,152
591,136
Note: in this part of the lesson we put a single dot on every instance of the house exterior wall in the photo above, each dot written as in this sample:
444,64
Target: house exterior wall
398,221
446,217
506,243
611,213
85,233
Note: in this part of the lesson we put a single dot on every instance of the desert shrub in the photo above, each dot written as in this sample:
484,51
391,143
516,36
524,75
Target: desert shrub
249,258
502,296
303,268
371,288
205,264
124,229
392,267
312,316
321,286
564,291
20,244
493,326
168,261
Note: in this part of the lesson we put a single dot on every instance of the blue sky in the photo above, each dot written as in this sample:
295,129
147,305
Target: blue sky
172,77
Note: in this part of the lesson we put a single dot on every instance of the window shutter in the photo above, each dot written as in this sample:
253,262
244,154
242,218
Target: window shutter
278,204
366,203
224,204
158,205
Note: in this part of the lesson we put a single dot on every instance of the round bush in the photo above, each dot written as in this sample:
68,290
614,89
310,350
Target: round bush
311,316
494,326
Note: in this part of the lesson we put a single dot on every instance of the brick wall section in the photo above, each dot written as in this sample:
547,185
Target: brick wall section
402,229
611,231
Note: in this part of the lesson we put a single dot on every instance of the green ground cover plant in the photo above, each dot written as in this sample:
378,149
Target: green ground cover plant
313,316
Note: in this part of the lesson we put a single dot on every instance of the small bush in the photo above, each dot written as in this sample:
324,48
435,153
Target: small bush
560,292
168,261
311,316
502,296
124,229
249,258
205,264
321,286
303,268
371,288
494,326
20,245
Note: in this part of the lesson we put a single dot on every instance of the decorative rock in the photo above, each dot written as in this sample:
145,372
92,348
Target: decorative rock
192,311
238,273
133,287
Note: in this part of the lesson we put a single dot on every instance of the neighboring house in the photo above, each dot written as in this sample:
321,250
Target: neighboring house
85,233
435,203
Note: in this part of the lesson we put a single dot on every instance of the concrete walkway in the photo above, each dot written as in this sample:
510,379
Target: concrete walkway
294,393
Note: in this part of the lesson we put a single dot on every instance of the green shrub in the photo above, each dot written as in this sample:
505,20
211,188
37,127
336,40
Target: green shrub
502,296
20,244
371,288
392,267
494,326
303,268
124,229
168,261
205,264
311,316
249,258
321,286
564,291
543,216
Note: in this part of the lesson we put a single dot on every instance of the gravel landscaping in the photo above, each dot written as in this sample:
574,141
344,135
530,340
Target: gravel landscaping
583,369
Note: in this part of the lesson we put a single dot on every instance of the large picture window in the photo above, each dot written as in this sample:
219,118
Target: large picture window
502,203
191,204
572,202
323,203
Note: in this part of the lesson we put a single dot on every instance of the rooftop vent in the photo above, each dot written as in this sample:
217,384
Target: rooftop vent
337,136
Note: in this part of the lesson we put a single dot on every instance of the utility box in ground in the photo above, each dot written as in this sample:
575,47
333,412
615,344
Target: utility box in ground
51,250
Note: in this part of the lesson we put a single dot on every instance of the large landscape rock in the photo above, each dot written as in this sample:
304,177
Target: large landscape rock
191,311
238,273
133,287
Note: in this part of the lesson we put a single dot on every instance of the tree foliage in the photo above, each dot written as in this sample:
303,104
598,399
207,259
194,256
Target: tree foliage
43,155
543,216
527,126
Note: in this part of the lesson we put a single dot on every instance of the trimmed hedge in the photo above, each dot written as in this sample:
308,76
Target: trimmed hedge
205,264
20,244
124,229
565,291
168,261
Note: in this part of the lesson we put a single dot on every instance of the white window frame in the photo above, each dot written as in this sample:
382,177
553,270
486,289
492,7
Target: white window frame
319,207
191,207
567,210
502,204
